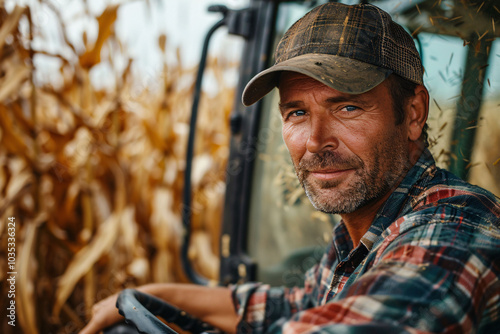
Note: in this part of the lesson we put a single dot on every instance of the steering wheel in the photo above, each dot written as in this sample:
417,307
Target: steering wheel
141,309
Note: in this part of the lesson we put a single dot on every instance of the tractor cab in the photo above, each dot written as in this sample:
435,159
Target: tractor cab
270,232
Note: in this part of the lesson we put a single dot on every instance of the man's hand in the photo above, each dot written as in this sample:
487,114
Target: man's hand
211,305
104,314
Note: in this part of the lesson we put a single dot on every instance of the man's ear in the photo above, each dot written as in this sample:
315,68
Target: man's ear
417,112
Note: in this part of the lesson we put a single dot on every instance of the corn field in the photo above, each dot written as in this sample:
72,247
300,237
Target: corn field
93,179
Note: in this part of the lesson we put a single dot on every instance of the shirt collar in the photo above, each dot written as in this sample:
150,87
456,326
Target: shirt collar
398,204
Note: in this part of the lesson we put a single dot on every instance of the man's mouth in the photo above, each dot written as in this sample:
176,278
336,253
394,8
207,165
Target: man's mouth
330,174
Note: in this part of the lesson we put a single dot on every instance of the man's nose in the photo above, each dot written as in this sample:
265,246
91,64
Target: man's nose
321,136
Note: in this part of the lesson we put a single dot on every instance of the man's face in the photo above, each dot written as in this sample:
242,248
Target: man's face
347,149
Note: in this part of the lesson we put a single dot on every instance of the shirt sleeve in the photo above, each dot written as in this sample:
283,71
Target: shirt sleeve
260,305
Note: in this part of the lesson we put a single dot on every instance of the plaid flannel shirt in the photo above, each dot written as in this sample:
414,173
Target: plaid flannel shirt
430,262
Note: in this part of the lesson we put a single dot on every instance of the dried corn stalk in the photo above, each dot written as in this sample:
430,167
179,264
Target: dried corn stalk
95,178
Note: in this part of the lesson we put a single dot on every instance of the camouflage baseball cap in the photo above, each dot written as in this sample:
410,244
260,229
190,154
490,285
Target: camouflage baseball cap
349,48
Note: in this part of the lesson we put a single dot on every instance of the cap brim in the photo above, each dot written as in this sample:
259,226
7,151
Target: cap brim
340,73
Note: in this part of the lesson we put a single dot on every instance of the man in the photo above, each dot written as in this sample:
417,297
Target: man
417,250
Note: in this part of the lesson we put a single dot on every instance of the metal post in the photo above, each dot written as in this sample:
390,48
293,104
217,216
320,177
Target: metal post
468,106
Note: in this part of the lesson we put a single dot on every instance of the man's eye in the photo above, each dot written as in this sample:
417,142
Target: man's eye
350,108
297,113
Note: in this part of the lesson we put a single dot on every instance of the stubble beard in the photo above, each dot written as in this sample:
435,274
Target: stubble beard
365,186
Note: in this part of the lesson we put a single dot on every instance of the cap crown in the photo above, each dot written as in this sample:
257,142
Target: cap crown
361,32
